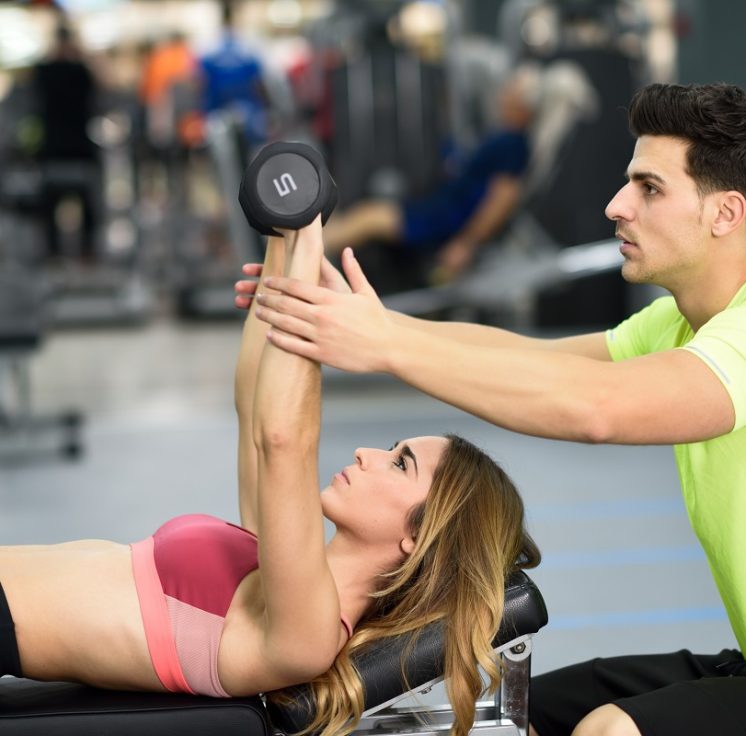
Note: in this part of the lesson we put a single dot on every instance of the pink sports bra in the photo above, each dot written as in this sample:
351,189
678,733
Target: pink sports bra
186,575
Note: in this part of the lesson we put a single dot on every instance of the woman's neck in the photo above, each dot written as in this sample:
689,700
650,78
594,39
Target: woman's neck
356,569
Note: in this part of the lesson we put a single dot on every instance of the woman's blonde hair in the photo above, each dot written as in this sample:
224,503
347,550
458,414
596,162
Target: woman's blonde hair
469,535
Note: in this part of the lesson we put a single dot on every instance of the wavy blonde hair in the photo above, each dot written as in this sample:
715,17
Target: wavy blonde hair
469,535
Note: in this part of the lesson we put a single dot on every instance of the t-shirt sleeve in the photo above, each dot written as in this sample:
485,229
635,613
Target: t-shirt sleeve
721,344
640,333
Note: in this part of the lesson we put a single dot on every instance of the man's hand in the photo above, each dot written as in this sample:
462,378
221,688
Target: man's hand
341,325
454,258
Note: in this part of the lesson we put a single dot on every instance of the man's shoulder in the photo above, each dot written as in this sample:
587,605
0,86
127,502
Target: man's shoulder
659,312
658,326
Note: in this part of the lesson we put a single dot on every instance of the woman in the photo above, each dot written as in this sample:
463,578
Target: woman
425,530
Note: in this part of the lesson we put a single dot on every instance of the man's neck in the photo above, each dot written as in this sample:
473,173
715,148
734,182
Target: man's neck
701,302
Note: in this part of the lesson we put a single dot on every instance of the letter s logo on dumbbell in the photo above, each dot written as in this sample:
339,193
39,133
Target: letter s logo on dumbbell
285,183
278,170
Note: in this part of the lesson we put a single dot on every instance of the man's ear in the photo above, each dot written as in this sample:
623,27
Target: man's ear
731,213
407,545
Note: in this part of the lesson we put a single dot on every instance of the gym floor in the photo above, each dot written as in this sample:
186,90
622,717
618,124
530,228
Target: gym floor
622,570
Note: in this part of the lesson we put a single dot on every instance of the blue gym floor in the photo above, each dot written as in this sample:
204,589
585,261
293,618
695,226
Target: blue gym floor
622,570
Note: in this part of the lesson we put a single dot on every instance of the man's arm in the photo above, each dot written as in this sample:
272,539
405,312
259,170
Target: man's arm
663,398
591,345
500,200
565,389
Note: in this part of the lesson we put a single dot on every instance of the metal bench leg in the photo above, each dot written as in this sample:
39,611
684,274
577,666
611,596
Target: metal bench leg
511,700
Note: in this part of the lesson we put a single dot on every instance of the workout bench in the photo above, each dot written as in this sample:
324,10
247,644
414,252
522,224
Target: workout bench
66,709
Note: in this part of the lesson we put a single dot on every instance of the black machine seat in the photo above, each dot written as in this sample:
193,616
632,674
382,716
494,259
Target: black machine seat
63,709
381,670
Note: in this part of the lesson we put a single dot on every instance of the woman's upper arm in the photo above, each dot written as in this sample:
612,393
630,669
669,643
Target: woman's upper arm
302,604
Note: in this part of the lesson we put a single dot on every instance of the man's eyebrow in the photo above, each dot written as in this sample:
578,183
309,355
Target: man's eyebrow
644,176
406,450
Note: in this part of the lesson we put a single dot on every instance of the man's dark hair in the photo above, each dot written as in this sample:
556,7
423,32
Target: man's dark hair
711,118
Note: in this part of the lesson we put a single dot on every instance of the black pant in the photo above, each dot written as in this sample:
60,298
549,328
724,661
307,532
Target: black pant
81,180
10,662
675,694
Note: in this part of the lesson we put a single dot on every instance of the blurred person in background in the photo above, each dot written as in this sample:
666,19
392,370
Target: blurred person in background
168,94
65,93
232,79
466,210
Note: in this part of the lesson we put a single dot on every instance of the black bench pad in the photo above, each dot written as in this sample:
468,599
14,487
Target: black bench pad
29,708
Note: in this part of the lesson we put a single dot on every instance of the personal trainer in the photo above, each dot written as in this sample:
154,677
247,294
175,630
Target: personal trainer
673,373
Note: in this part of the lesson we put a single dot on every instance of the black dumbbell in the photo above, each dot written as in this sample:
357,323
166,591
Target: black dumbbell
285,186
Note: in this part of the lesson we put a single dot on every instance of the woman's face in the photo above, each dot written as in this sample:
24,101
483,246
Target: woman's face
373,496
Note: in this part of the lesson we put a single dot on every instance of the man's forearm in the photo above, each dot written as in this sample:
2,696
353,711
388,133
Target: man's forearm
468,333
590,345
493,211
523,389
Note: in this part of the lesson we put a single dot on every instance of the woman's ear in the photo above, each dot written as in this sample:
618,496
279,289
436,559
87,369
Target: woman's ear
407,545
730,215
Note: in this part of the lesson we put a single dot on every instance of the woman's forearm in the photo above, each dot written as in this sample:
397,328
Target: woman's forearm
253,341
287,400
254,335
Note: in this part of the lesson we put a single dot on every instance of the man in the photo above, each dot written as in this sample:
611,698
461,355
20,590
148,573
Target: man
467,209
673,373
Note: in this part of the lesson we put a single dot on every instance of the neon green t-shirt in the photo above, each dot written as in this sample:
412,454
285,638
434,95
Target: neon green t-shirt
712,473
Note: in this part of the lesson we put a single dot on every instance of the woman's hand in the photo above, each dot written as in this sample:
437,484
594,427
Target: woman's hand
343,324
245,289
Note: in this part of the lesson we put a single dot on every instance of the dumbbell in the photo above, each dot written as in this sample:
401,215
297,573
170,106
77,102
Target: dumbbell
286,186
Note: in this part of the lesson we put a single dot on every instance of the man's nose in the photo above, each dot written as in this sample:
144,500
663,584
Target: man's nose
619,208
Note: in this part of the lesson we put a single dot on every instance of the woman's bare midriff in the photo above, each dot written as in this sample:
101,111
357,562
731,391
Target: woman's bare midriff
77,614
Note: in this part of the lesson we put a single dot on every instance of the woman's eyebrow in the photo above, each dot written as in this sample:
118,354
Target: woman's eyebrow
406,450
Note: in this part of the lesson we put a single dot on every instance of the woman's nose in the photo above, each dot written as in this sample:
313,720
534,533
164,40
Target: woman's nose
365,455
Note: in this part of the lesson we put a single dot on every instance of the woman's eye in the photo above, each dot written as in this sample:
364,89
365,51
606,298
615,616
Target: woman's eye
401,463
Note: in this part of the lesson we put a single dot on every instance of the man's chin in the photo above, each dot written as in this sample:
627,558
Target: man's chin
632,274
